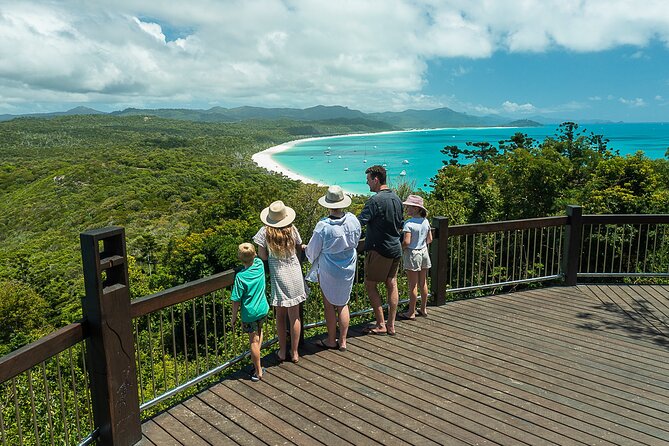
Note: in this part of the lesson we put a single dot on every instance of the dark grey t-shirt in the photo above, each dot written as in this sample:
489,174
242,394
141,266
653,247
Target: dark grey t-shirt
383,217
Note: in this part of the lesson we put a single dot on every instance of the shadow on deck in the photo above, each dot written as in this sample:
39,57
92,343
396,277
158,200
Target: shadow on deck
563,365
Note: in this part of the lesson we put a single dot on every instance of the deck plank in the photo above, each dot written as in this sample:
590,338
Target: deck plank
563,365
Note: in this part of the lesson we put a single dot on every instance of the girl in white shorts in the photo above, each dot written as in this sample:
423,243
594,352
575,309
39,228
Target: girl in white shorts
415,256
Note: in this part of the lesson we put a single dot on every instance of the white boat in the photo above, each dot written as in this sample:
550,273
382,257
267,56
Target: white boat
339,156
405,162
345,169
364,161
402,173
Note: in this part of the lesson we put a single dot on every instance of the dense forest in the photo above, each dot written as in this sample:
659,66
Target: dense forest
188,193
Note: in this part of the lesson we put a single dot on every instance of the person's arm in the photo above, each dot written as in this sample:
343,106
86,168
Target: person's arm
298,243
406,240
235,309
429,236
260,239
366,214
313,249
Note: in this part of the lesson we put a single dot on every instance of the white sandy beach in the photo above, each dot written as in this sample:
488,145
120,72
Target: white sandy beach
264,159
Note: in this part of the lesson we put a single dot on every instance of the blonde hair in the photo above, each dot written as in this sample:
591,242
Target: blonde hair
246,253
281,241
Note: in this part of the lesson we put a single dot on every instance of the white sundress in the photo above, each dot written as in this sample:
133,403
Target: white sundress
287,282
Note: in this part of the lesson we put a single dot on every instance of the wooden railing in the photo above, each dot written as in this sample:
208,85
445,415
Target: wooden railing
132,361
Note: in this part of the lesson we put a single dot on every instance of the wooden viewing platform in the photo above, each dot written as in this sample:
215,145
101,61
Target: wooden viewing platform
586,364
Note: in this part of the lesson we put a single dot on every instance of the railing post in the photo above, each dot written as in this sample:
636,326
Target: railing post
439,256
110,348
572,244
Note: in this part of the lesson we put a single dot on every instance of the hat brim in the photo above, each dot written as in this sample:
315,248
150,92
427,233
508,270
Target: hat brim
346,202
414,205
288,219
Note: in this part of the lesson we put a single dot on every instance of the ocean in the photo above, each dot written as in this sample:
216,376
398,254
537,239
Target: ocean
414,156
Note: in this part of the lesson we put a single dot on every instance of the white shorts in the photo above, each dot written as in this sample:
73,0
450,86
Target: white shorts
416,259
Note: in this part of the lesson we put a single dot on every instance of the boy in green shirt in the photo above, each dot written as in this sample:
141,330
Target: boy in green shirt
249,292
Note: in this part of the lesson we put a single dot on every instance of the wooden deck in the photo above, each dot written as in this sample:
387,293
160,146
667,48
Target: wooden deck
579,365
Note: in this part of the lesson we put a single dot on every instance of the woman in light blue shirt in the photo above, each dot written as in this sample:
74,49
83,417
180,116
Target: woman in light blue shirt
332,253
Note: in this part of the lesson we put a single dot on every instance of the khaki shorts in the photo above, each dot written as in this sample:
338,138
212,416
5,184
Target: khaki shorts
379,268
416,259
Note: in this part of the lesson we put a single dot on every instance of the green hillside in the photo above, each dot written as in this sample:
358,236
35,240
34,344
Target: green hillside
163,180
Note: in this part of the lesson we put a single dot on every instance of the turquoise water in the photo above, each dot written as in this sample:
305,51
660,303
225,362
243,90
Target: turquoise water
417,153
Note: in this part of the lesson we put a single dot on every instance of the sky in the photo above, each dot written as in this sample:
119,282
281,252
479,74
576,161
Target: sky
562,59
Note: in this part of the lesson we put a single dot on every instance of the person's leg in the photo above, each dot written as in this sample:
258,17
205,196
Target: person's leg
255,342
422,284
393,299
375,302
375,272
281,331
330,322
295,327
412,279
344,321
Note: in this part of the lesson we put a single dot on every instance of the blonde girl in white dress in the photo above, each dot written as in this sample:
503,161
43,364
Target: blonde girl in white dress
278,242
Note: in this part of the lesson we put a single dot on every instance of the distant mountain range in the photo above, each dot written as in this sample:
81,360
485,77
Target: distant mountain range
408,119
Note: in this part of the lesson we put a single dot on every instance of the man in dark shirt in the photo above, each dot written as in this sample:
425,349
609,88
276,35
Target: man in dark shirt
382,215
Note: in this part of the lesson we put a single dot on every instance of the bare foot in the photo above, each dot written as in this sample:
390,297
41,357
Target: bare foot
374,330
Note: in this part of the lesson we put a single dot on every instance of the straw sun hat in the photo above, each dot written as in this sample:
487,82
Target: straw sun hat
414,200
277,215
335,198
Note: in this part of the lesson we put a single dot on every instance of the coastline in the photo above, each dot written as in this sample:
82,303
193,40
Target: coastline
264,158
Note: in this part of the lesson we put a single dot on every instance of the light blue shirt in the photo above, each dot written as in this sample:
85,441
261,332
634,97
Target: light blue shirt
418,227
332,252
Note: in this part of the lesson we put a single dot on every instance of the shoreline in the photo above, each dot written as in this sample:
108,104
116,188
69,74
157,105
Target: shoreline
264,158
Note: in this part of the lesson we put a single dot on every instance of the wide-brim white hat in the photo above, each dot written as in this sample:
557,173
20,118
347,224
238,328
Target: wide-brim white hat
277,215
335,198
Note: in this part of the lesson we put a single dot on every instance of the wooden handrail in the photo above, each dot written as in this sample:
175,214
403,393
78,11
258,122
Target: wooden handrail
39,351
625,219
181,293
480,228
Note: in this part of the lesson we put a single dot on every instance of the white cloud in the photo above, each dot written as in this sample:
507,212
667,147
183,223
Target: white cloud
512,107
152,29
636,102
367,54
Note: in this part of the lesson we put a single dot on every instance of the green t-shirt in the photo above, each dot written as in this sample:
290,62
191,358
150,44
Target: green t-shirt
249,290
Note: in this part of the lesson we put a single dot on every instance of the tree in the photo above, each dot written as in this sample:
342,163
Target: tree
22,314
